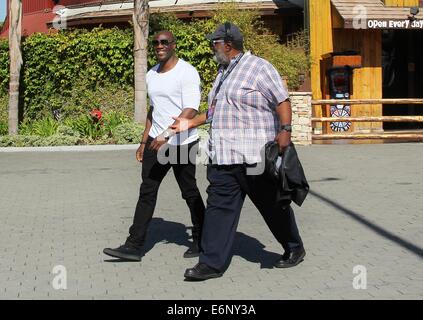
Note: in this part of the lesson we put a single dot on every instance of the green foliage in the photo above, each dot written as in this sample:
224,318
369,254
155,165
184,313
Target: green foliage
115,128
129,132
291,59
26,128
112,120
65,130
61,70
86,127
3,128
45,127
4,66
37,141
60,140
20,141
3,113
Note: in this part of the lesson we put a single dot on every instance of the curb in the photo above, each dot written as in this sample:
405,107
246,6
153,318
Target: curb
89,148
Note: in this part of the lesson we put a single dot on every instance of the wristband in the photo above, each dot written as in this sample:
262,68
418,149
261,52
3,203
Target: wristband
286,127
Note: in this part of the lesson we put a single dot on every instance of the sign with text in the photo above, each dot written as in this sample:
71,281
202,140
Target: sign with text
394,24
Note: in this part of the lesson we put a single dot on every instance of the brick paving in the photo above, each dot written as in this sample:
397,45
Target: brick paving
62,208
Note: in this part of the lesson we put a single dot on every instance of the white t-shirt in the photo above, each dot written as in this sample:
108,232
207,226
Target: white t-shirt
169,94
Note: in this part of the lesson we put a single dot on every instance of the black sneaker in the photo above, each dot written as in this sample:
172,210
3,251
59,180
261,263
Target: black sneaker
193,251
124,252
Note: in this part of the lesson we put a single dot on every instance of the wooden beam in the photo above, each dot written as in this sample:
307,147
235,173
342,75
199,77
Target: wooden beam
367,101
370,119
403,136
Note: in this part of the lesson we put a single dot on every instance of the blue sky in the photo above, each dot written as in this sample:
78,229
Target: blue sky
2,10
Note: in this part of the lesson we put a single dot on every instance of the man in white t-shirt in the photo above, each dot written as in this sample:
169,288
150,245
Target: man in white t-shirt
173,87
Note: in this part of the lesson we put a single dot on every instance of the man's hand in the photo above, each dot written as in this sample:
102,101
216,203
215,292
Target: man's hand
140,152
157,143
181,124
283,139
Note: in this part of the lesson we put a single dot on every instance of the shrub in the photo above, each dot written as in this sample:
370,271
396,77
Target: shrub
86,127
65,130
4,128
26,128
20,141
60,140
129,132
4,66
37,141
44,127
112,120
4,114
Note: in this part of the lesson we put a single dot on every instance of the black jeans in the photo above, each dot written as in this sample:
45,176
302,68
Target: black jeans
229,184
152,175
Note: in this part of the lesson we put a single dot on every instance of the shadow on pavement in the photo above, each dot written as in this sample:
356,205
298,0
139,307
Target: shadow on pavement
161,230
167,231
252,250
374,227
245,246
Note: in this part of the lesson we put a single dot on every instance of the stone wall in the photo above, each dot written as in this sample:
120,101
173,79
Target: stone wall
301,117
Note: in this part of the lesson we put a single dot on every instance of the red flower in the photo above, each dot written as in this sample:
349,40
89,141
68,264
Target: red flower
96,114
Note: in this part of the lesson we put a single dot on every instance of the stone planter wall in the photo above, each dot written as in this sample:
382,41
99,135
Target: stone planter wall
301,117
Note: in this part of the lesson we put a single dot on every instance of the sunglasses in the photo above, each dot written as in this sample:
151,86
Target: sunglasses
214,42
163,42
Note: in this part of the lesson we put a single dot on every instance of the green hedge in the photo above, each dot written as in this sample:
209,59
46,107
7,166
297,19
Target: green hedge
4,66
55,65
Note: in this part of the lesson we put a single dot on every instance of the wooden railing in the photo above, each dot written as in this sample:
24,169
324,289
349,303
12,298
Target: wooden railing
398,135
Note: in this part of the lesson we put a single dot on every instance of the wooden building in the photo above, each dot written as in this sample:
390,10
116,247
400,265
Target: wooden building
382,41
37,14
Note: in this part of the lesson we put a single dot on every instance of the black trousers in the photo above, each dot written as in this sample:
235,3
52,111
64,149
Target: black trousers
229,184
152,174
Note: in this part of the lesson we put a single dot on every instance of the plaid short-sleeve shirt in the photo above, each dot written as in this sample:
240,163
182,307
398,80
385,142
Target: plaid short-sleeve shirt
244,117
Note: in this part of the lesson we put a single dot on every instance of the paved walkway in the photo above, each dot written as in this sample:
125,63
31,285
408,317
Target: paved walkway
365,211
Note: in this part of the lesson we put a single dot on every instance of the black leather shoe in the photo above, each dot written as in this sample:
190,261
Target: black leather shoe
291,259
124,252
201,272
193,251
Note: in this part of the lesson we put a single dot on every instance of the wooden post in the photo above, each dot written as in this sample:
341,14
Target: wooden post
411,68
140,20
321,43
15,32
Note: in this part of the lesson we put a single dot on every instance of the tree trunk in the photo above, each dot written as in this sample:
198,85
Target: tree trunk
140,20
15,32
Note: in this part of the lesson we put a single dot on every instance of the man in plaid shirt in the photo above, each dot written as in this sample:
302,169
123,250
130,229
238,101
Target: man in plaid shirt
248,106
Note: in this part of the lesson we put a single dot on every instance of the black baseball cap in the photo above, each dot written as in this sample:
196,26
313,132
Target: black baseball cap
227,31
